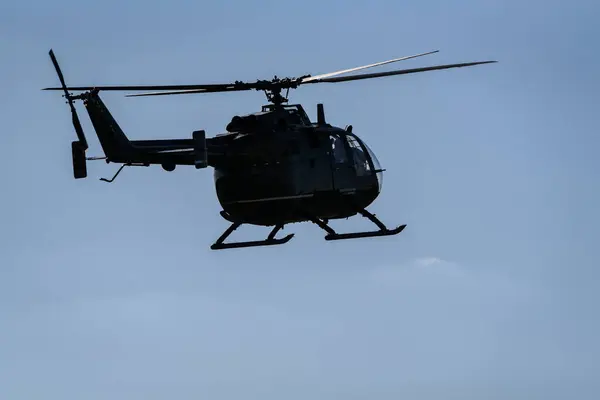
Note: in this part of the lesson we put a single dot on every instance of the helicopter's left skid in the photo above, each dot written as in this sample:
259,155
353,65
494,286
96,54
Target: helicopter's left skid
270,241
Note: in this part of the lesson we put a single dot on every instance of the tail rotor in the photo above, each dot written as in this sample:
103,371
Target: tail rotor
80,146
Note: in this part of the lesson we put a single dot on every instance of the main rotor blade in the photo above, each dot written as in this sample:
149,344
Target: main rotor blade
220,87
212,87
185,92
344,71
398,72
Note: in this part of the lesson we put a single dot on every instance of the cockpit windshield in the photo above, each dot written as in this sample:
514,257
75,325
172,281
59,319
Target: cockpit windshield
371,155
360,160
358,154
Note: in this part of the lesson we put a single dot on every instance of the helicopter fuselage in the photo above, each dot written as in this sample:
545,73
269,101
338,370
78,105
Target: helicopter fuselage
323,172
271,168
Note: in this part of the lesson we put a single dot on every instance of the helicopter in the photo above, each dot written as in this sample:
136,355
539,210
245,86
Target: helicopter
271,168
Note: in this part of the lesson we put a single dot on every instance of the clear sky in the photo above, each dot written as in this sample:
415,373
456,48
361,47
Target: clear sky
111,291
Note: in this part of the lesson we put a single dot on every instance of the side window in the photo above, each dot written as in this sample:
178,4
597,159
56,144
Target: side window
359,158
338,150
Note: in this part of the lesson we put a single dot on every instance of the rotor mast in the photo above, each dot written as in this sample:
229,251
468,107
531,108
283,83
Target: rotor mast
274,87
274,96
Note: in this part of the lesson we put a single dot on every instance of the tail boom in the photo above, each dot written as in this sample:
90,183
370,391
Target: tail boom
117,147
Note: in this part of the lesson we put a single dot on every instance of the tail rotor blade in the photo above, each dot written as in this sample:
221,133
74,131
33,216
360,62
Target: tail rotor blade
59,72
78,128
75,117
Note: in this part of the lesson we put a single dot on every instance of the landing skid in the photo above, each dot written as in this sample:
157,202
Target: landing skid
331,234
382,231
270,241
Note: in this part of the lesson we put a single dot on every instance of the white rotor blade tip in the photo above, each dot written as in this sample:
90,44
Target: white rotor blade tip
330,74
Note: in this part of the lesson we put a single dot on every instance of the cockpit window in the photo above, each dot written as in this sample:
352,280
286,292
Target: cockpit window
376,165
338,149
359,158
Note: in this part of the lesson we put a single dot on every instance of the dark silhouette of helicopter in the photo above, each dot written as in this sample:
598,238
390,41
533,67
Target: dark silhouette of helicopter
271,168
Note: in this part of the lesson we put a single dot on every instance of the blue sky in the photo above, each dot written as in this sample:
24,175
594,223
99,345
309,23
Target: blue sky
111,291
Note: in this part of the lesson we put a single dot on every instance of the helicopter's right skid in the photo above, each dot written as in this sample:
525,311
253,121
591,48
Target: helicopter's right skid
382,231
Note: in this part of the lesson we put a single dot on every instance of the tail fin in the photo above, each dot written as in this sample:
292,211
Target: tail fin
113,140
